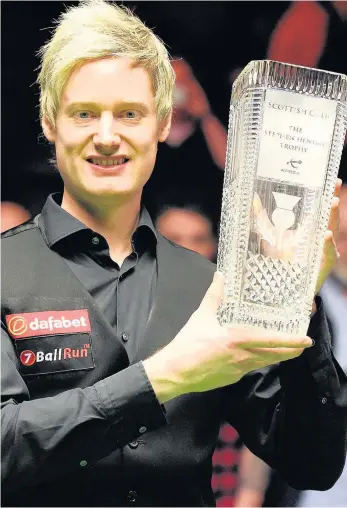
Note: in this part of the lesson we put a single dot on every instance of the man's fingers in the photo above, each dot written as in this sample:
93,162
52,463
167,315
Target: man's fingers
334,219
269,356
263,339
338,186
334,216
214,295
280,351
329,247
276,343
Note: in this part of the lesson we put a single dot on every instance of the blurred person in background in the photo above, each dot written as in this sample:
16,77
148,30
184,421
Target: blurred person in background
312,34
192,111
334,295
194,151
190,227
12,214
239,478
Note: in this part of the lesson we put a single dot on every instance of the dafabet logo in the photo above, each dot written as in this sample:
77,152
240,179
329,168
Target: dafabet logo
17,326
35,324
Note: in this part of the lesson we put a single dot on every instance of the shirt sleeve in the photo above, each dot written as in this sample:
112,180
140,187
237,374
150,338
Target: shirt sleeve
46,437
293,415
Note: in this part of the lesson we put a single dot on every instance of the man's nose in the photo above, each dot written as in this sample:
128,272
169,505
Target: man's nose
107,135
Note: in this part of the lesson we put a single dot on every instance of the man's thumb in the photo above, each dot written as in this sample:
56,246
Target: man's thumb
214,294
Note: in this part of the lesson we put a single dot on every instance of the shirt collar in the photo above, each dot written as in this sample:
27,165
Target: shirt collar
57,224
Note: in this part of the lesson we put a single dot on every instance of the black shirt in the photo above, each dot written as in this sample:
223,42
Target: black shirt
123,293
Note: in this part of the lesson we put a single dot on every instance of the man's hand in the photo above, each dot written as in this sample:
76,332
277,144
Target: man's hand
330,254
204,355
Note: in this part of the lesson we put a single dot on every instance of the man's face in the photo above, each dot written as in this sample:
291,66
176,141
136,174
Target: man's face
189,229
107,130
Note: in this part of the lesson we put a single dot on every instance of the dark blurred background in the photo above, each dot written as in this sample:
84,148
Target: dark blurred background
217,39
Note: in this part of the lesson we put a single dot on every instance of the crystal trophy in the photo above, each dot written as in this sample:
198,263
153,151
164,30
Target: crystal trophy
287,127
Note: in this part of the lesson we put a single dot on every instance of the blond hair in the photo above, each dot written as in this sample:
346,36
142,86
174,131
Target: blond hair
98,29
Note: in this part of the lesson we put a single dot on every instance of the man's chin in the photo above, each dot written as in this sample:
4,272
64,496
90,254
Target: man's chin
111,193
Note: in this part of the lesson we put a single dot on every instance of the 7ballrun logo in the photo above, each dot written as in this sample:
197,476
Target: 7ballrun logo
36,324
28,357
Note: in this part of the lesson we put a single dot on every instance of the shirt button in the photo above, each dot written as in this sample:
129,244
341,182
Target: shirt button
125,337
324,400
131,497
133,444
83,463
142,429
95,240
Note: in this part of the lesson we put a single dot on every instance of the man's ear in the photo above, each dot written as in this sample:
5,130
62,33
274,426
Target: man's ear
48,129
165,127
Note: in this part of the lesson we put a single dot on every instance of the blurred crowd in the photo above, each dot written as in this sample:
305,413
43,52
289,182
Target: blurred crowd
184,193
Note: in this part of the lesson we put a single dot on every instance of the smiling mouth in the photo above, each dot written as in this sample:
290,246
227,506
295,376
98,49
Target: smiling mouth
106,163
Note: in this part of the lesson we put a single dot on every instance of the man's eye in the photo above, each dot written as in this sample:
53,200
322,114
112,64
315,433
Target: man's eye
131,115
83,115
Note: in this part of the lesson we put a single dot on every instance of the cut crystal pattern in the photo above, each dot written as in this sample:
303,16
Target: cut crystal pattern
264,290
273,282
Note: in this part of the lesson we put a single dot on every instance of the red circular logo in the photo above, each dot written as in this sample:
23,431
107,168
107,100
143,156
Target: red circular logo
17,326
27,357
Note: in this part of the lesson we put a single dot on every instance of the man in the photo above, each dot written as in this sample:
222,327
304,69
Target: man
116,373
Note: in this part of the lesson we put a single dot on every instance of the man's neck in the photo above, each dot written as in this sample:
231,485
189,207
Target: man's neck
115,220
